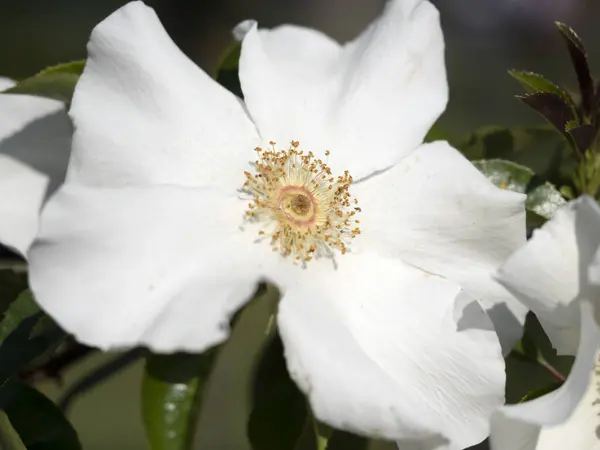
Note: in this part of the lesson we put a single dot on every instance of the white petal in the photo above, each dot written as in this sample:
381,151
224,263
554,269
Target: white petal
37,132
581,430
434,210
145,114
594,279
370,102
550,271
512,434
6,83
556,407
35,137
564,418
164,267
386,350
427,444
242,28
22,191
594,268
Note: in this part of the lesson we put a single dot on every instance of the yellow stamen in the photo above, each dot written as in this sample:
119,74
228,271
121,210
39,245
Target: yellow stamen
308,209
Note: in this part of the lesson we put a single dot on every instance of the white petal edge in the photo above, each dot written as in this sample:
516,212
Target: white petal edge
242,28
436,211
550,272
427,444
370,102
164,267
386,350
145,114
526,425
22,191
581,429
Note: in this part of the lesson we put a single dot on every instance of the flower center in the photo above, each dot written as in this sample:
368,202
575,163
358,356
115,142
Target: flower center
306,211
298,204
301,205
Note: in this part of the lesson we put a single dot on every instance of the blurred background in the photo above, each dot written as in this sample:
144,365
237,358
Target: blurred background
484,38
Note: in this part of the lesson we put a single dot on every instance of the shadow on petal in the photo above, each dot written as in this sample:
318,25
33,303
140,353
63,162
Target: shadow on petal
44,144
470,315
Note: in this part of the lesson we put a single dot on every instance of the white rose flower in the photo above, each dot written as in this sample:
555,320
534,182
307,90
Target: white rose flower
35,138
555,274
552,272
567,418
381,249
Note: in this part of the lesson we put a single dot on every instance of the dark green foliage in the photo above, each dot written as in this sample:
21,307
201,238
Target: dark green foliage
279,412
542,197
38,422
540,148
26,333
227,69
342,440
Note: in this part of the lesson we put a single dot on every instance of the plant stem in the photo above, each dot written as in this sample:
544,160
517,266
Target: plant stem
321,435
555,373
55,366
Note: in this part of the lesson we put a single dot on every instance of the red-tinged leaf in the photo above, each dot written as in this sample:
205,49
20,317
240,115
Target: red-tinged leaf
580,62
535,82
596,106
583,136
552,107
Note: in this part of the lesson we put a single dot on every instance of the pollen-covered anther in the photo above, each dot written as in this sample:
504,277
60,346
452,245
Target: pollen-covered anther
305,210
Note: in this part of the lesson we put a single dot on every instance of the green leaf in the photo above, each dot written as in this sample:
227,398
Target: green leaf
279,412
171,395
26,333
580,62
439,133
527,366
539,148
527,349
542,391
524,377
22,308
57,82
38,422
535,82
542,197
227,69
544,200
9,438
98,375
12,283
